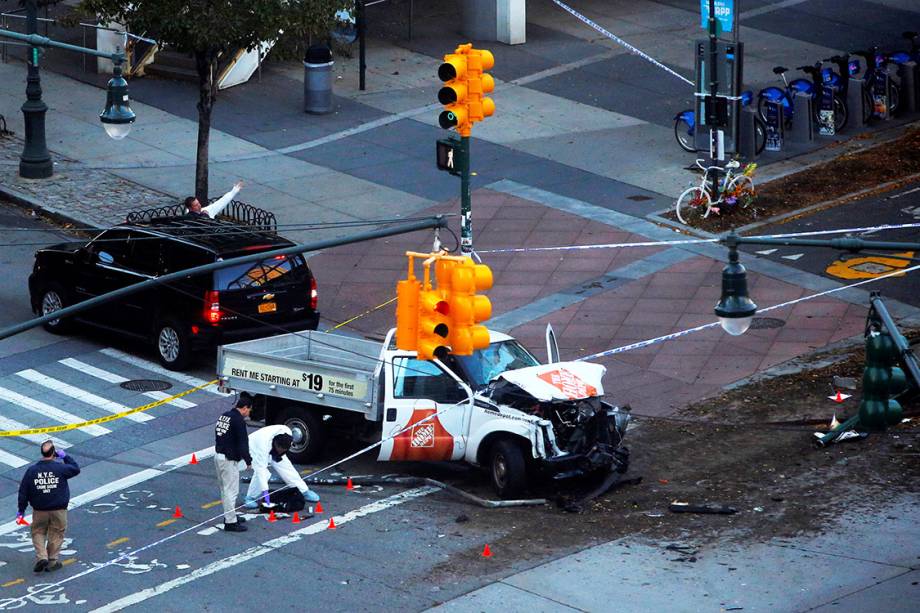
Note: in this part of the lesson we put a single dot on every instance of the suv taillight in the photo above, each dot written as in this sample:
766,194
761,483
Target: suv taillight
212,313
314,296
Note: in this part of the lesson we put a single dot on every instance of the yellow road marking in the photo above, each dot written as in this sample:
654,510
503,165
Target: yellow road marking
14,582
165,522
70,561
213,503
123,539
107,418
868,267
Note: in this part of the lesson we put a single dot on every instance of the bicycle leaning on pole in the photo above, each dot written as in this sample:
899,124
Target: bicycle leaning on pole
735,189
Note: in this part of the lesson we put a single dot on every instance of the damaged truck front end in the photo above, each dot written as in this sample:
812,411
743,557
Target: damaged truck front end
573,432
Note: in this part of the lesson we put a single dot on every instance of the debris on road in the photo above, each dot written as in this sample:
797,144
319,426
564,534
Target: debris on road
708,509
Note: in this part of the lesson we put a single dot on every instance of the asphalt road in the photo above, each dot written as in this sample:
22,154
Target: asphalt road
898,207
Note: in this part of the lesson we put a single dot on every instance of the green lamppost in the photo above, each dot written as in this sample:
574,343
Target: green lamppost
117,117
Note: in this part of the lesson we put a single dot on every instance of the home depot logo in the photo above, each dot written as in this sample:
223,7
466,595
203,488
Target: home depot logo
422,435
568,383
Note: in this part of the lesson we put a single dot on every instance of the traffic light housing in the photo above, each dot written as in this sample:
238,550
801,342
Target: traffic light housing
881,381
433,325
436,319
467,309
465,82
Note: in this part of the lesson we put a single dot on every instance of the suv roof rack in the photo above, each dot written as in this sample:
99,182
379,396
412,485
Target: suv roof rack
236,211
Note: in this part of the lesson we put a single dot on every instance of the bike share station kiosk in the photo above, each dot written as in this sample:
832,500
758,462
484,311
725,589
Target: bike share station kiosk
731,128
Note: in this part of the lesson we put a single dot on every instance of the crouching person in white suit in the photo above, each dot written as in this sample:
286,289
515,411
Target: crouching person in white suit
268,447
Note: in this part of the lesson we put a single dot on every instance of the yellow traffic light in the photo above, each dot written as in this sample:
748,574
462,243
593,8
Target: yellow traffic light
465,84
467,310
407,292
433,325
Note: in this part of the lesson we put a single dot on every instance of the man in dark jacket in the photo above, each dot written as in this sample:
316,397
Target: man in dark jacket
44,486
231,444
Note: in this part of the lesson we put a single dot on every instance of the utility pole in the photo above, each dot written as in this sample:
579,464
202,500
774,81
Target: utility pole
712,113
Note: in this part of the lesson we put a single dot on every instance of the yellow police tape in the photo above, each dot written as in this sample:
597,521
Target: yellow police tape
107,418
368,312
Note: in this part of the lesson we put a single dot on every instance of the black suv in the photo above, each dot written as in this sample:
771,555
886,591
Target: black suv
243,301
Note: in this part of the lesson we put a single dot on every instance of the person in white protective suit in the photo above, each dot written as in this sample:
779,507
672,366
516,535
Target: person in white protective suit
268,447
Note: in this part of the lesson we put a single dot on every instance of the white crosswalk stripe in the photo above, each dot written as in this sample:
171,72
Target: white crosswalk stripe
11,460
80,394
49,411
114,378
7,424
163,372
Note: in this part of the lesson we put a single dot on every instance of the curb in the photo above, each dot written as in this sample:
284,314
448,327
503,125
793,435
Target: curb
25,201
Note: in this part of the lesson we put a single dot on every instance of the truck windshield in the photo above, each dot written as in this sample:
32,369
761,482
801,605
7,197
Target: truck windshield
495,359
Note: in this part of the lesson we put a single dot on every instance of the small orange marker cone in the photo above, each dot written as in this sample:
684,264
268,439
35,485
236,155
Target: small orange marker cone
178,512
839,397
349,486
486,552
319,507
21,521
194,460
331,525
271,516
296,518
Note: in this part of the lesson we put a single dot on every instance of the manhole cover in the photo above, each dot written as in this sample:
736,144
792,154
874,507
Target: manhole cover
764,323
638,198
146,385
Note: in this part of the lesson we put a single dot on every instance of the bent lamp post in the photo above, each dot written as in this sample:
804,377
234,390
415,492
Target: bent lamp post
885,346
117,117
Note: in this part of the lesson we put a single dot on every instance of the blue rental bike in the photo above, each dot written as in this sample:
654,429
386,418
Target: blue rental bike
814,87
878,81
685,127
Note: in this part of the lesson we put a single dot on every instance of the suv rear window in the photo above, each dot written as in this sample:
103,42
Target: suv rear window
279,269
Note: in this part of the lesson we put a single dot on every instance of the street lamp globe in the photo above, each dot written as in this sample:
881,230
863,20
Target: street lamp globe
117,117
735,309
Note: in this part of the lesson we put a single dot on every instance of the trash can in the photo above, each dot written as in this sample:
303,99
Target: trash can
317,79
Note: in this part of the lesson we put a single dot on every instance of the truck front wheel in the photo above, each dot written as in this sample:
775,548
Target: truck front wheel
308,432
508,469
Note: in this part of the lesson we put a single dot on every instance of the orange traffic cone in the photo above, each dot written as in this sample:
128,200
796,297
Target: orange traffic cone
296,518
194,460
349,486
486,552
331,525
839,397
21,521
319,507
178,512
271,516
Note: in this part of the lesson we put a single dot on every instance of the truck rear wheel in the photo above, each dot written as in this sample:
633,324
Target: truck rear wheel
309,434
508,469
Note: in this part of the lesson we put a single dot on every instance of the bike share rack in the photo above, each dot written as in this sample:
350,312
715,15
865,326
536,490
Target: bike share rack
909,82
803,120
747,137
855,102
776,126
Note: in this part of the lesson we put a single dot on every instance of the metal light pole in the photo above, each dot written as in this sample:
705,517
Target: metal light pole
117,117
35,162
712,114
466,198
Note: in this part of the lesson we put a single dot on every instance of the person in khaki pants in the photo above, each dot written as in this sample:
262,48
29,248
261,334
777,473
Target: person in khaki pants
44,486
231,445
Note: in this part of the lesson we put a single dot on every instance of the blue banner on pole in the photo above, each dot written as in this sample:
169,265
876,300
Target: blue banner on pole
725,14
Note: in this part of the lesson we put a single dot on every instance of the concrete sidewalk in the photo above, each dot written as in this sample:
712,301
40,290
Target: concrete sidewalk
866,562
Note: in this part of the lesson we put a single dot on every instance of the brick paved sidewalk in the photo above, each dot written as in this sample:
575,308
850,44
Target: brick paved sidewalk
85,196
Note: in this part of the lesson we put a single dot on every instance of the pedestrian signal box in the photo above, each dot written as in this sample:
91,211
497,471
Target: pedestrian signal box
449,155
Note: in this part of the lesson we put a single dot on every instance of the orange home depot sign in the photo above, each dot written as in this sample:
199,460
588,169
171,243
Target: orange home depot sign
428,440
568,383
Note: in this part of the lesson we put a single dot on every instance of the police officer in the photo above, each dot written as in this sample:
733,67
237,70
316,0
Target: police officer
44,486
231,444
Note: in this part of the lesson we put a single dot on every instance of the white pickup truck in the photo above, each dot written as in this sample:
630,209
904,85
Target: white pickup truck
498,408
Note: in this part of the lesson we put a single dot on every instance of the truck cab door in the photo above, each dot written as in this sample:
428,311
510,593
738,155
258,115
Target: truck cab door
414,391
552,347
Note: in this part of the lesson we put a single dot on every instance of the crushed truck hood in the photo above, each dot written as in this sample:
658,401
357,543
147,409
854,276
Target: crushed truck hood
559,381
